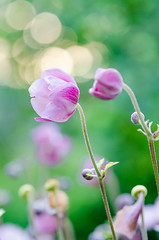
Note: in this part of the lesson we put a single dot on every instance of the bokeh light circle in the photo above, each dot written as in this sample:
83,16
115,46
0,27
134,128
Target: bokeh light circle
19,14
45,28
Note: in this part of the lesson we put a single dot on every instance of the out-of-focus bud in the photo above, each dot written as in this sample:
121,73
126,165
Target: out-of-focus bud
26,190
135,118
108,84
85,172
52,184
58,200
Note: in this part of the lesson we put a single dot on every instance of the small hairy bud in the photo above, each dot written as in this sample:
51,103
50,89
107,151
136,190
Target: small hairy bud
135,118
85,172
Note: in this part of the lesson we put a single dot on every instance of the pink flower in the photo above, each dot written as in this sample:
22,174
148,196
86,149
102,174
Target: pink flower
54,96
51,145
108,84
43,222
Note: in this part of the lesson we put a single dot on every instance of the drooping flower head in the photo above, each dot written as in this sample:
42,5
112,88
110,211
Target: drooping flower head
51,145
54,96
108,84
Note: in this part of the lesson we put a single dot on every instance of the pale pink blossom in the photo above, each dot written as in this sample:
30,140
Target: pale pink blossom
54,96
51,145
108,84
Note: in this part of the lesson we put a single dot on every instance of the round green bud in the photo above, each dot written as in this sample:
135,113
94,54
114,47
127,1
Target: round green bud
137,190
26,190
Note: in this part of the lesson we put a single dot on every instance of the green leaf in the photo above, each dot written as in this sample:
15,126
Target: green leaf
110,164
100,163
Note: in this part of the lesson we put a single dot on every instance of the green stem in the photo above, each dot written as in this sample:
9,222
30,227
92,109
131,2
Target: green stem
148,133
59,223
96,169
31,215
107,208
154,162
143,229
87,139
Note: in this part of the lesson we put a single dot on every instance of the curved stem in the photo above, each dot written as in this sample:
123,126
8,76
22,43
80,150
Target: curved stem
148,133
136,107
96,169
87,139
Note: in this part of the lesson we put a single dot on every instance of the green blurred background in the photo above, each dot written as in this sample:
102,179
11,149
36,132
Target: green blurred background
78,37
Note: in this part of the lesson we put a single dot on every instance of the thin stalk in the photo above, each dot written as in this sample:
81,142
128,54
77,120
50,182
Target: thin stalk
154,162
83,122
87,138
59,224
143,229
31,215
107,208
148,133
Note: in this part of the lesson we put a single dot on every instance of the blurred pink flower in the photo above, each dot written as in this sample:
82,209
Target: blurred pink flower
43,222
54,96
108,84
10,231
51,145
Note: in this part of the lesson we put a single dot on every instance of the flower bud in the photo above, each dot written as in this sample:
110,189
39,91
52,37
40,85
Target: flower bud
26,190
135,118
138,189
52,184
85,172
108,84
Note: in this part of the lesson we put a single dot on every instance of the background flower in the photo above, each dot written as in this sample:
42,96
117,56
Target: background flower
50,144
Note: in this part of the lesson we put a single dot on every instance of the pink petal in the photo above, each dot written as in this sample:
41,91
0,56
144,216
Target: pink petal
39,104
39,88
55,72
42,119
